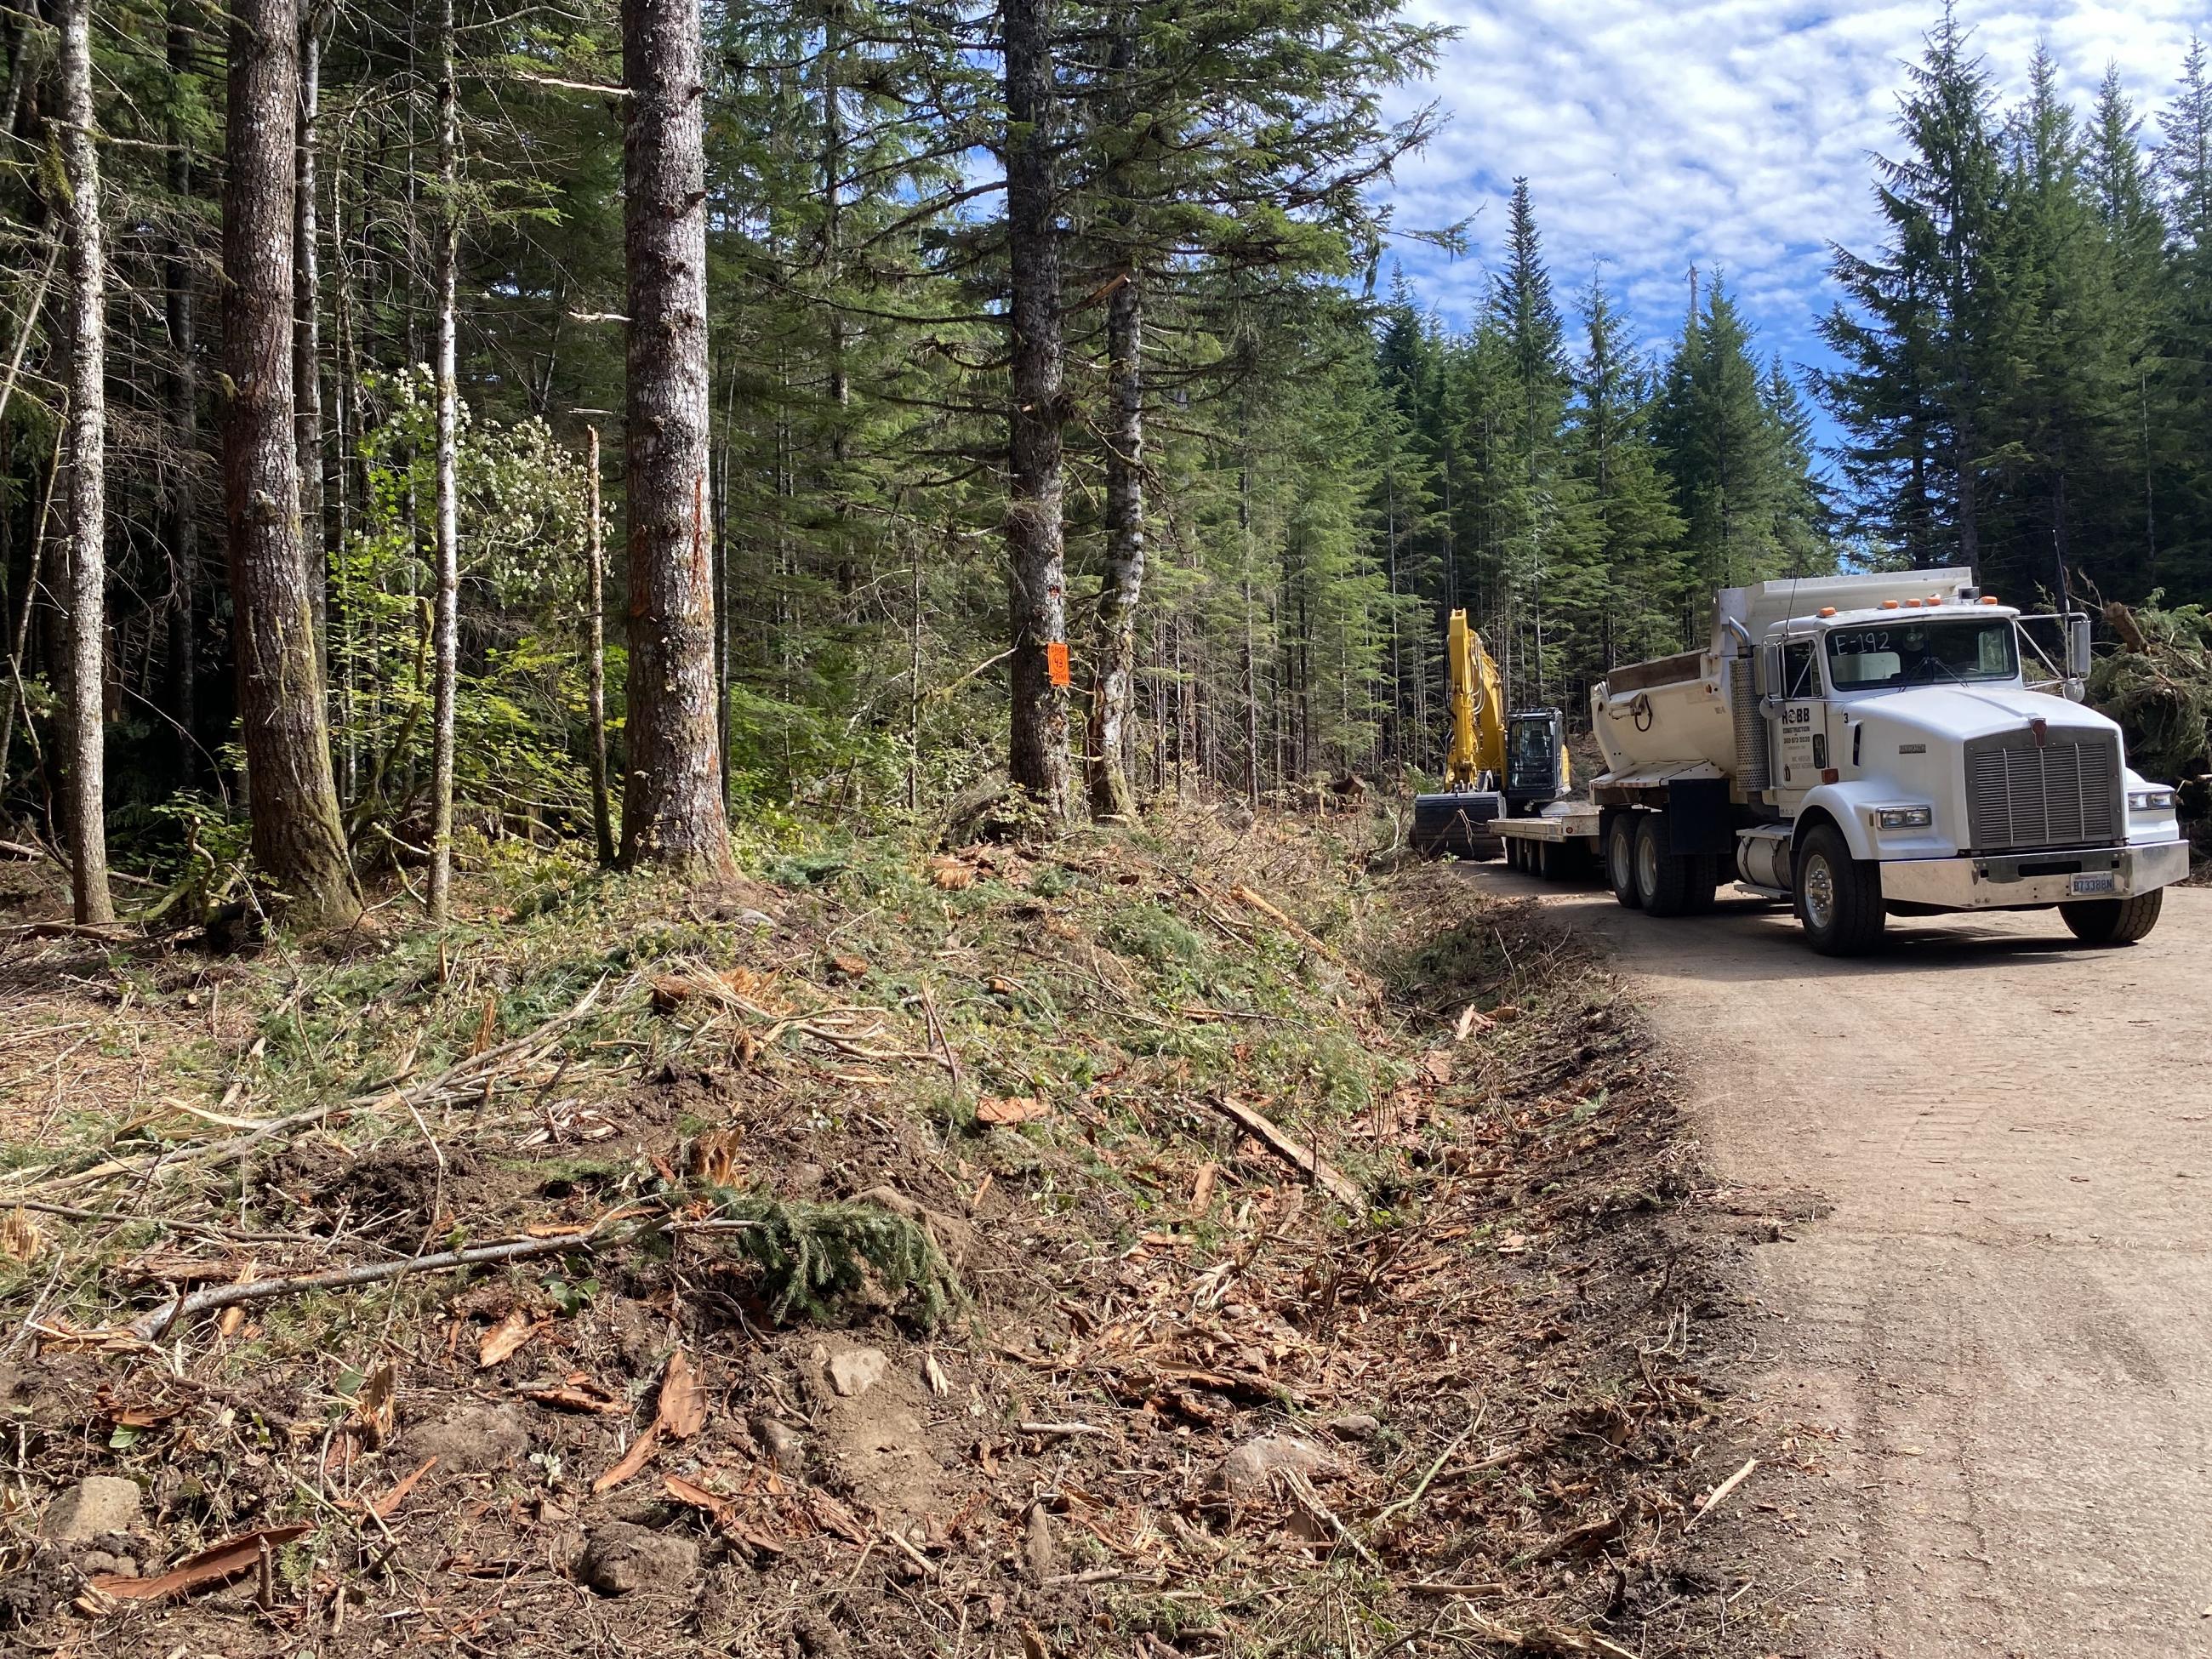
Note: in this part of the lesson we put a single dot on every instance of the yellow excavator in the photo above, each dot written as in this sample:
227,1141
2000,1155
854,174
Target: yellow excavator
1497,766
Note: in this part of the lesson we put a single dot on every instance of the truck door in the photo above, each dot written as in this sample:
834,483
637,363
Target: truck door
1801,723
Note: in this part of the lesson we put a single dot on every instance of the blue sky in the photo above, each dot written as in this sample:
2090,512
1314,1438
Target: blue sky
1732,134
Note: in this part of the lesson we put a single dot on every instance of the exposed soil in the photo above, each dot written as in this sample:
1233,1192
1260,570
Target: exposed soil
1498,1379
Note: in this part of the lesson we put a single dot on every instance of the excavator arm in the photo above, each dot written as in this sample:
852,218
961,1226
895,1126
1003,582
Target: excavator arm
1477,696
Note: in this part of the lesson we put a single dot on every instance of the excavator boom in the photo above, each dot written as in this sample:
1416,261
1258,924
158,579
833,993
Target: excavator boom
1458,820
1478,708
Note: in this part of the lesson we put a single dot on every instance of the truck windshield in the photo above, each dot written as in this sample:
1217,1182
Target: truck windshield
1922,654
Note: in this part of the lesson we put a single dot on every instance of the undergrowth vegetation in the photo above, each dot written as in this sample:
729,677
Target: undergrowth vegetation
1079,1168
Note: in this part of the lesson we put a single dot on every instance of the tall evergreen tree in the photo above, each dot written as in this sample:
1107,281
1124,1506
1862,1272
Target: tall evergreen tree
1911,329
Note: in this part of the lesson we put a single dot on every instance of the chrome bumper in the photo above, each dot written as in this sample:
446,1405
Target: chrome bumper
2003,881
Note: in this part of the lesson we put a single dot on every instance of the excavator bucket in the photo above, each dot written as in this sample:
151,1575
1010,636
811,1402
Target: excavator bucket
1457,824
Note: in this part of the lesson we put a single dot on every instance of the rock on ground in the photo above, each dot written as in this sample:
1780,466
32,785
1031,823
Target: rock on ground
784,1444
853,1371
475,1440
97,1505
1247,1474
623,1558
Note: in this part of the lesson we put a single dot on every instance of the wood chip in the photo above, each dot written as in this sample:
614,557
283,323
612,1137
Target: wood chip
218,1565
504,1340
1720,1492
682,1408
1010,1109
376,1407
383,1506
639,1455
569,1398
951,875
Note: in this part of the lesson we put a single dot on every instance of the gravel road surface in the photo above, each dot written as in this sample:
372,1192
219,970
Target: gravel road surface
2006,1321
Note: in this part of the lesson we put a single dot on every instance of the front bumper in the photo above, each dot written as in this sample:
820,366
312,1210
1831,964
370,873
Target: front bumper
2011,881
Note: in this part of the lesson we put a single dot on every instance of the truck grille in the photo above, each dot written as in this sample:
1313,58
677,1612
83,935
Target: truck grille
2066,793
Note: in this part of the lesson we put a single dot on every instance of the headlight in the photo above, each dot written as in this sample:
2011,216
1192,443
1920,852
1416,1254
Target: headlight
2150,800
1903,817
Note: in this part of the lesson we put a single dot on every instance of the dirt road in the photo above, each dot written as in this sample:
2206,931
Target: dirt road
2007,1319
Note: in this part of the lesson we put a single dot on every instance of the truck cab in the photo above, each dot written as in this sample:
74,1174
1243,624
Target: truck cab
1894,744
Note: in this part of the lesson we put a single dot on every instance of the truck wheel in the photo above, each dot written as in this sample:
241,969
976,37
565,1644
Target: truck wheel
1621,859
1663,881
1839,897
2114,921
1704,883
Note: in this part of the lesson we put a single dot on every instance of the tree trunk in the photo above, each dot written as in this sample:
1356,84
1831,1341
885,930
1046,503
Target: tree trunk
445,677
1036,752
595,630
298,840
85,743
344,312
672,811
183,529
1115,676
306,342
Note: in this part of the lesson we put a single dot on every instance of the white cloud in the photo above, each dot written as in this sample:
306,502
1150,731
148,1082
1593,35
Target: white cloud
1732,134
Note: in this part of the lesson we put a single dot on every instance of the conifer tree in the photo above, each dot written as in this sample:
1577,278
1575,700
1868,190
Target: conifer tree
1912,331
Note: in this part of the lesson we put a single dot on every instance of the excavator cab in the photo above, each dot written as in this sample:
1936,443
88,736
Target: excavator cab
1536,769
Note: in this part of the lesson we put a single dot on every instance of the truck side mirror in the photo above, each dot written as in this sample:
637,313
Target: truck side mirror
2077,646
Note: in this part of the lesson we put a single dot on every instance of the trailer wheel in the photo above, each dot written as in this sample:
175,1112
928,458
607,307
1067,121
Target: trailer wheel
2114,921
1663,880
1839,897
1621,859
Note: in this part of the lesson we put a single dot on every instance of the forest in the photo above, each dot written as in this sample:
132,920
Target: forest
427,426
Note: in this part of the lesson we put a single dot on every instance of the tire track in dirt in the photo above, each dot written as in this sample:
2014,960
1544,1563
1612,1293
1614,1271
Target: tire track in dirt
2006,1319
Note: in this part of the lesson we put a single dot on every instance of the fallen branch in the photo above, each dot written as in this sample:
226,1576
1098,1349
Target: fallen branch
155,1324
1332,1180
472,1076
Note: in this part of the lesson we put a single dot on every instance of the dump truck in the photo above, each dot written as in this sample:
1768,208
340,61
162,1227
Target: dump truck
1497,765
1865,746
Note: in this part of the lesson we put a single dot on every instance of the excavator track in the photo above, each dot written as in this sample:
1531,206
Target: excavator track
1457,824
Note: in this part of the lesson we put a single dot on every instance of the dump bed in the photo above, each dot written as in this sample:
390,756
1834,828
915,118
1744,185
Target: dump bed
1697,708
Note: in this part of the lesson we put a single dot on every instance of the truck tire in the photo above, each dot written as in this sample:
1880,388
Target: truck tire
1839,897
1621,859
1664,880
1704,883
2114,921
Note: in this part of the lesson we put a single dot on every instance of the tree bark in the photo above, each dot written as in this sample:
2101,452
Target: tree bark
298,840
183,528
672,811
306,340
87,497
445,677
1115,672
1037,750
595,629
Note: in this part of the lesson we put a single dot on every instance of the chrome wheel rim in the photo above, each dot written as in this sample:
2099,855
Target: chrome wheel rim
1622,869
1647,864
1820,892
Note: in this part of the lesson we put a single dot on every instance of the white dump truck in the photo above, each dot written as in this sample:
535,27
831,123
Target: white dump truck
1865,746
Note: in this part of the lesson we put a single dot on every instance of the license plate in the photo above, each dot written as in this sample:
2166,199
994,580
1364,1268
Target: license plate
2097,884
